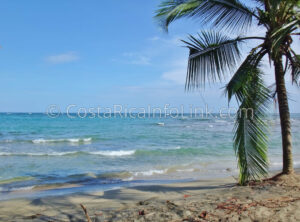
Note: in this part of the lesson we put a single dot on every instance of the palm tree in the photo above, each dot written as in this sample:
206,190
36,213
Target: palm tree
213,55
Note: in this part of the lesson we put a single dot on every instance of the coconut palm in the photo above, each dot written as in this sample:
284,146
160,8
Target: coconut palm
214,55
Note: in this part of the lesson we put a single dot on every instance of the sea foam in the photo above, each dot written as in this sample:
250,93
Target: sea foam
101,153
114,153
70,140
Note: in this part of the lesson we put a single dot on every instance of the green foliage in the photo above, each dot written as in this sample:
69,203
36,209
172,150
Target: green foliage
211,56
250,131
295,69
174,9
229,14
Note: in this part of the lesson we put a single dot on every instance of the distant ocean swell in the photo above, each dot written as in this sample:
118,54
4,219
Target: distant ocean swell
71,140
46,141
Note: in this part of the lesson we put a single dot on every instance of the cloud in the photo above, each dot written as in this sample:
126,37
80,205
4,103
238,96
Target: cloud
177,76
137,58
63,58
170,41
153,51
154,38
177,71
141,60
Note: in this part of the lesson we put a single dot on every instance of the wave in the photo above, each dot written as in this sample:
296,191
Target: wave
38,154
44,141
296,163
16,189
150,172
70,140
171,151
115,153
15,179
70,153
71,181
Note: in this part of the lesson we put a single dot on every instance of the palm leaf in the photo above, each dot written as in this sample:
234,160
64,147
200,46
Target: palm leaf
211,56
241,76
280,35
295,69
230,14
225,14
171,10
250,137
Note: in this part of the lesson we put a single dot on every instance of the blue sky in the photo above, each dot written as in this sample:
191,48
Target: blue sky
96,53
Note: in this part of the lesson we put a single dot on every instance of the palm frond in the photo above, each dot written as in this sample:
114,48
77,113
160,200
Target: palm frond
211,56
240,78
294,66
231,15
250,137
250,143
280,35
228,14
171,10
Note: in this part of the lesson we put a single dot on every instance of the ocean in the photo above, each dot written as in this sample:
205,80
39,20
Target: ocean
62,155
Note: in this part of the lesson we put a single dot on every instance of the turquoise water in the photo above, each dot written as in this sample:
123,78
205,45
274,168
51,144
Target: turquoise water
36,150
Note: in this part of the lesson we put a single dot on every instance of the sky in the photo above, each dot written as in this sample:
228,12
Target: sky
98,53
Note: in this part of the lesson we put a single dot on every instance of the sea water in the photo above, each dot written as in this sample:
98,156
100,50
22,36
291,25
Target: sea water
77,154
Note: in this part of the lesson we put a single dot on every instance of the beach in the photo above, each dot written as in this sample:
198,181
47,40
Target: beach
206,200
110,112
123,169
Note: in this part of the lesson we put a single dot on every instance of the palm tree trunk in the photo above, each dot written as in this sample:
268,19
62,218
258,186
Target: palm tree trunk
284,117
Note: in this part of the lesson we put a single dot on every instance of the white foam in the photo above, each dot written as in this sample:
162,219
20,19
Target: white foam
128,179
43,141
62,153
103,153
37,154
149,172
161,124
185,170
114,153
22,188
280,163
71,140
220,121
276,164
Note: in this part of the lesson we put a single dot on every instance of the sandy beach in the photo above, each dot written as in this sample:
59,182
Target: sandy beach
211,200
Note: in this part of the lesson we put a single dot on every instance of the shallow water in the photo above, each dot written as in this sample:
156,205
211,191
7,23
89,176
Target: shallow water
37,151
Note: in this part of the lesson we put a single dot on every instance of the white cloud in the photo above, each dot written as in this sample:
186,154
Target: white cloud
141,60
168,41
177,71
137,58
176,76
154,38
63,58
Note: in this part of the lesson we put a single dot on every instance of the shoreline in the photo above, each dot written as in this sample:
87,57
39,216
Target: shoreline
160,202
112,200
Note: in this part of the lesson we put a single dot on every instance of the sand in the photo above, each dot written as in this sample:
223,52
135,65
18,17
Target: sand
211,200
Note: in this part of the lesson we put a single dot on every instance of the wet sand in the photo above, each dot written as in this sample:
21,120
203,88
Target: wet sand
210,200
